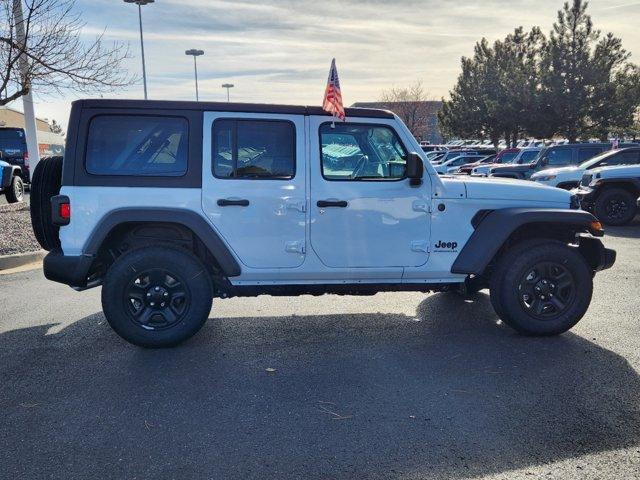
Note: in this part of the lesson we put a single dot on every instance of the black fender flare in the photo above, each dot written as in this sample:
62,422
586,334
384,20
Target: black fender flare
8,173
188,218
633,181
494,227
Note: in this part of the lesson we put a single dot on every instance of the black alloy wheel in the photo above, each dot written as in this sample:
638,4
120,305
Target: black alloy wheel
546,290
157,299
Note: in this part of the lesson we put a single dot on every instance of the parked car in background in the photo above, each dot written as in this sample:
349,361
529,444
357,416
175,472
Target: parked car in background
611,193
480,152
503,156
569,177
552,157
451,166
524,156
13,147
11,184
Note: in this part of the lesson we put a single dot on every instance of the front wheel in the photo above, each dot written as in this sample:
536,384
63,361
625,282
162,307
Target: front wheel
541,287
157,296
615,206
16,190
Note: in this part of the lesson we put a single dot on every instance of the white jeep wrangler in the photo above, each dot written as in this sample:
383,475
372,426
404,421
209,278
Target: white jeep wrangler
169,204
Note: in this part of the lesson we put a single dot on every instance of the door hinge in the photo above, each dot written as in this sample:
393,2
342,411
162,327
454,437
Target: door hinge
300,205
296,246
420,246
421,206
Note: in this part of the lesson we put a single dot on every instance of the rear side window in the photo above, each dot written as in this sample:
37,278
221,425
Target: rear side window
254,149
559,156
137,145
587,153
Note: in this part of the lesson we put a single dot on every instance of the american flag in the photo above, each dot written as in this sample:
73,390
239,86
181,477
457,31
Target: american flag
332,102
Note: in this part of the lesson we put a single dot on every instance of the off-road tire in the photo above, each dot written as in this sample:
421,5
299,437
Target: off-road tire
45,183
122,283
622,199
510,284
15,193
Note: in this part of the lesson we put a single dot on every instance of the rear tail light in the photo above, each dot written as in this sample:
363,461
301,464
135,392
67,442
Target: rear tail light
64,210
25,157
60,210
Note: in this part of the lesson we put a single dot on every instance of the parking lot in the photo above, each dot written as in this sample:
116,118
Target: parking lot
398,385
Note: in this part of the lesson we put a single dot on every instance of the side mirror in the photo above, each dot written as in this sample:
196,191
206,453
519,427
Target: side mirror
415,169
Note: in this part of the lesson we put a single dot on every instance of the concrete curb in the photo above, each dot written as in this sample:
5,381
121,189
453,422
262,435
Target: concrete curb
20,259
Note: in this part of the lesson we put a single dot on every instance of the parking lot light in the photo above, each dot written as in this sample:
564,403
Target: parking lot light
195,53
140,4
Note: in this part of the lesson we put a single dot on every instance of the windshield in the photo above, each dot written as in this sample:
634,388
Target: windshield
528,156
12,141
508,157
597,158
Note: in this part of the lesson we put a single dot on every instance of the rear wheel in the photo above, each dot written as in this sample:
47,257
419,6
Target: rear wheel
541,287
616,206
16,190
157,296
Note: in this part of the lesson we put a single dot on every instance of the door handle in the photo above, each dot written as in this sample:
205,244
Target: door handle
225,202
332,203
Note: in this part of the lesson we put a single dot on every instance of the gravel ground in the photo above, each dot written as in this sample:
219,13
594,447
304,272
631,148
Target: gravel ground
16,234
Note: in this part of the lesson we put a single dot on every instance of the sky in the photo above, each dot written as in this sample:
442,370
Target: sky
279,51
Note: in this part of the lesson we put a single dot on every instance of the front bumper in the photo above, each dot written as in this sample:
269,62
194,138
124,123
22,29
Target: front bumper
71,270
586,196
599,257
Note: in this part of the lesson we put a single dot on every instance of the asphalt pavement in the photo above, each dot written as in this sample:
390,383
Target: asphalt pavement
397,385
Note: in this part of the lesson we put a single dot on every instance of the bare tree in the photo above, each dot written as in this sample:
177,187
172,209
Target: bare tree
52,57
409,104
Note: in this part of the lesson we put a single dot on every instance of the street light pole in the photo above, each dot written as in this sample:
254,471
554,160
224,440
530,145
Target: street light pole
227,86
140,3
195,53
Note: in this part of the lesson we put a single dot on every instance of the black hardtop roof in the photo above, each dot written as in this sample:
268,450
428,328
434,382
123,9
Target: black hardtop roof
227,107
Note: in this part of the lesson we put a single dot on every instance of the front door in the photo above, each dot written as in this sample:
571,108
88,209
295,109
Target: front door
253,186
364,212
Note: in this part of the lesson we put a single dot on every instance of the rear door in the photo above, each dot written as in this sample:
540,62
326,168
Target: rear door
364,212
253,186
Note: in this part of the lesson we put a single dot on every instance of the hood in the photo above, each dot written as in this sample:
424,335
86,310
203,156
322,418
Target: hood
555,171
508,189
513,167
619,171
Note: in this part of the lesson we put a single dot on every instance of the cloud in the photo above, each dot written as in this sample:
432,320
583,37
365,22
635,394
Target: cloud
280,50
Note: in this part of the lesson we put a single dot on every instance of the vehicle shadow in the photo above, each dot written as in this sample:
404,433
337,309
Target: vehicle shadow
451,393
632,230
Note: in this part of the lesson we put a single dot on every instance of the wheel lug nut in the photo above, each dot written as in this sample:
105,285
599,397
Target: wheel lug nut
162,304
148,294
166,294
157,289
152,304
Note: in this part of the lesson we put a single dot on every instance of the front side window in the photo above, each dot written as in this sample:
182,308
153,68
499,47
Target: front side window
622,158
254,149
361,152
137,145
